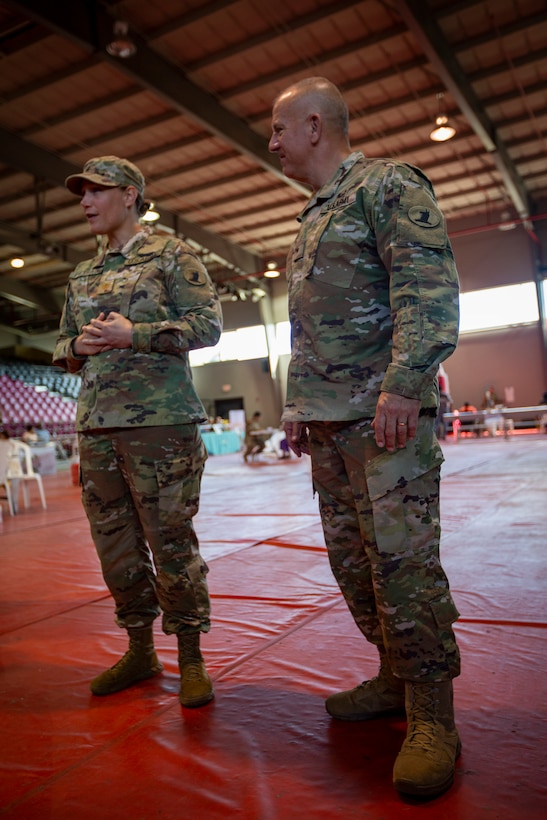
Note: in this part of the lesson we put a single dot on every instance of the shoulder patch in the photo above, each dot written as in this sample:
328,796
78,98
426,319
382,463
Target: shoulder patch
194,276
424,217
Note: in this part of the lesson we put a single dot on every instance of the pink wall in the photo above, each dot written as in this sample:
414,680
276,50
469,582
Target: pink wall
508,358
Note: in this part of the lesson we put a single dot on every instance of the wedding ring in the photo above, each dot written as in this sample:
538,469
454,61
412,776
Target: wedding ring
402,423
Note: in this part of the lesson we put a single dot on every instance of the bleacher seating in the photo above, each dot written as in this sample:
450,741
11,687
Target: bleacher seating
32,394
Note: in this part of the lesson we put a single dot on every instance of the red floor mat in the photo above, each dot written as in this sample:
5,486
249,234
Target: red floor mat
282,639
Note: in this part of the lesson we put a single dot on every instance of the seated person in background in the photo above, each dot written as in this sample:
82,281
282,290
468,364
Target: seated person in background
490,399
29,436
467,425
277,443
42,434
255,438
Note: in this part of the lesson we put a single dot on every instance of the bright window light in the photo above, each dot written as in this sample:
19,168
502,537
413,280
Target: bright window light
245,343
205,355
498,307
234,345
479,310
283,338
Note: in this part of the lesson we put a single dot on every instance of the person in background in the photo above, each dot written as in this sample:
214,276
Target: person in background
130,318
490,399
255,438
373,306
445,406
29,435
468,425
42,433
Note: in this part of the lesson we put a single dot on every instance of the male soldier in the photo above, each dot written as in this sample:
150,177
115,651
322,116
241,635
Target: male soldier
131,315
373,304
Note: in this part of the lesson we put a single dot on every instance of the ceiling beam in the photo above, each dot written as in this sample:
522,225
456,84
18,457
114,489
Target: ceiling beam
20,293
31,243
93,31
42,164
421,22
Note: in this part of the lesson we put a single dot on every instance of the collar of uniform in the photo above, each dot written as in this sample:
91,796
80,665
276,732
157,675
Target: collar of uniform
330,188
132,243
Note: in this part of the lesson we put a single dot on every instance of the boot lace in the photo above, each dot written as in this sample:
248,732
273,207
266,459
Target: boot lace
422,731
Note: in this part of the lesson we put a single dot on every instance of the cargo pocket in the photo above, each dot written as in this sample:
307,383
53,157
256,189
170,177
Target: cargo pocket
444,611
178,488
398,497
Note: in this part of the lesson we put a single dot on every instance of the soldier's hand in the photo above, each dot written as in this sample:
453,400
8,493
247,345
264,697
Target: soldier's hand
112,331
395,421
297,437
87,345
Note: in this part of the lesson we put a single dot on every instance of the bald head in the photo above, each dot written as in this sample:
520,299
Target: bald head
310,130
319,95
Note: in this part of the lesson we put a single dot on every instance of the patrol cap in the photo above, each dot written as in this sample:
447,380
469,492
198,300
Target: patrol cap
113,172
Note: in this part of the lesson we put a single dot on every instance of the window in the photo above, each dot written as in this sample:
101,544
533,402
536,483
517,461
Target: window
498,307
234,345
479,310
283,338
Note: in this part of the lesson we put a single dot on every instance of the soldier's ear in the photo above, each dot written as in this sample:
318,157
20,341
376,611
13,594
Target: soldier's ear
315,125
130,195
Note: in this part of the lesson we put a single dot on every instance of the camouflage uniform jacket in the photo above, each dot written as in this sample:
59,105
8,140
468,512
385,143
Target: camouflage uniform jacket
164,289
373,293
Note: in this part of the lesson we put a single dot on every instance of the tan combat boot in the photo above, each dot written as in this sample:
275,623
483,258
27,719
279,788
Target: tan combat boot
381,696
196,688
139,663
425,765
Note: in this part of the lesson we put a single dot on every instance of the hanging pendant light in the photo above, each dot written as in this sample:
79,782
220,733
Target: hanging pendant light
442,131
122,45
151,214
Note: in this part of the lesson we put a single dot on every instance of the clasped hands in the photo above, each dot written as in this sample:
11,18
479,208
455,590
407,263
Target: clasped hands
106,332
394,424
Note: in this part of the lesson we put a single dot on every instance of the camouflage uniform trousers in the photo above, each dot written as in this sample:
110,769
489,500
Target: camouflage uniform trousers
140,490
380,516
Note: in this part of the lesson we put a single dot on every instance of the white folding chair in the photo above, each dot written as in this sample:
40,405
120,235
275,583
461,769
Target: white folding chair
28,474
5,454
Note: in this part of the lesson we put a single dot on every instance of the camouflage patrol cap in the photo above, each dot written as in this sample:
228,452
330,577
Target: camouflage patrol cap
113,172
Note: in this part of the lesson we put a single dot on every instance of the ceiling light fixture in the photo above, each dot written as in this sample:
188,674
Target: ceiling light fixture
271,272
151,214
442,131
506,224
17,262
122,45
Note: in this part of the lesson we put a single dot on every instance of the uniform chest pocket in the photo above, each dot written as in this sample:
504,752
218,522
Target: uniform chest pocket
339,249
